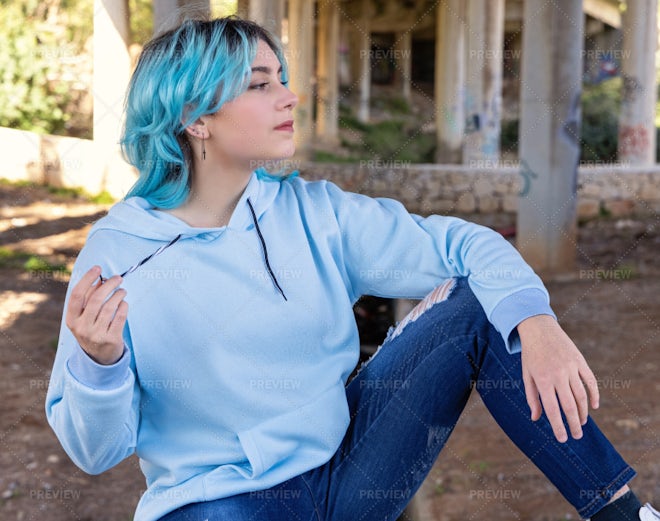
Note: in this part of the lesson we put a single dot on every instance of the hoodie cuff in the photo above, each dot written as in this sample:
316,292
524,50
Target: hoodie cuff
97,376
514,309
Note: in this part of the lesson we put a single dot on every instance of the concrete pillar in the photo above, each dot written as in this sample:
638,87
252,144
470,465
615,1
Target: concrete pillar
327,98
365,62
267,13
243,8
166,15
637,118
549,133
299,55
195,8
483,81
403,57
449,80
112,67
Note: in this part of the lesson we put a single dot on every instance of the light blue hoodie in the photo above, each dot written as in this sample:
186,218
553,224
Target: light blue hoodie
238,350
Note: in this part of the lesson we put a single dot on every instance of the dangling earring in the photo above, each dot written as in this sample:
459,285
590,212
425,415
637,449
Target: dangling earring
203,149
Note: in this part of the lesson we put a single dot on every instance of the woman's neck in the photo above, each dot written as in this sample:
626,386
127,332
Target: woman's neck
213,196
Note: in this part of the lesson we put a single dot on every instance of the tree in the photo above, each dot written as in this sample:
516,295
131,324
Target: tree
45,73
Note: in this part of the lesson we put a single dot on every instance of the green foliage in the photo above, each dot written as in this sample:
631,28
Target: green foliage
393,140
389,140
479,466
73,193
37,69
29,262
383,139
142,20
348,120
36,264
221,8
103,197
599,129
12,259
396,105
142,17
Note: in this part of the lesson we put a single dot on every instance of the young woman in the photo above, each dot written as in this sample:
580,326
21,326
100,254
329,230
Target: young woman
208,325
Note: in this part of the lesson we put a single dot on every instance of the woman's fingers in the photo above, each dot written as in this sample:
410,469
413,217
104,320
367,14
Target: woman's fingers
96,316
568,401
553,412
532,394
98,296
116,328
589,379
581,399
109,308
77,298
555,370
571,408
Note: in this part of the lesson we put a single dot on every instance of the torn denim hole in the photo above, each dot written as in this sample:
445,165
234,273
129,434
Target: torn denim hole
439,294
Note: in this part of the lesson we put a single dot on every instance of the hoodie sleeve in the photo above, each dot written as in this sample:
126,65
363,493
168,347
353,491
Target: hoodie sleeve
391,253
93,409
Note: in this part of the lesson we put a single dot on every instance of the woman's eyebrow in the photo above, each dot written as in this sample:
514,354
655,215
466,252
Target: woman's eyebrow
265,68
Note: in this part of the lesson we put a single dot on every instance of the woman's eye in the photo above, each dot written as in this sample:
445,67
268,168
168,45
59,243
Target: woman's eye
259,86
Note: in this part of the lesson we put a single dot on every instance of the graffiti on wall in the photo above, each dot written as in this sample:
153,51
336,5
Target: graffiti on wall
631,90
634,141
528,175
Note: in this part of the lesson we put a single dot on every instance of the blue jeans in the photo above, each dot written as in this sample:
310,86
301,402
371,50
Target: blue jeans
404,404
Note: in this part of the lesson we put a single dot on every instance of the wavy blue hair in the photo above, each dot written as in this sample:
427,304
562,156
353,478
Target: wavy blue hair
185,73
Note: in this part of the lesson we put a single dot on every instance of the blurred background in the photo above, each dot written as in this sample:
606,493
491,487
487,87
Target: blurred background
538,119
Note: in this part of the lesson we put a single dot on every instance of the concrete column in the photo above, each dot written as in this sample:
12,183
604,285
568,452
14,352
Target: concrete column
166,15
449,80
299,55
365,62
483,81
193,8
112,67
403,56
549,133
268,13
637,118
327,98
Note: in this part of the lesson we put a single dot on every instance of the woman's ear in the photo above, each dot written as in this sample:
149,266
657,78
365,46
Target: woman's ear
198,130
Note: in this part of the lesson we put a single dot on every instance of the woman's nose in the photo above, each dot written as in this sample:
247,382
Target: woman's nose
289,99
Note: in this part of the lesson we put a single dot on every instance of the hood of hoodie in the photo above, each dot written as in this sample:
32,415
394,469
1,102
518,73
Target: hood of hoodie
136,216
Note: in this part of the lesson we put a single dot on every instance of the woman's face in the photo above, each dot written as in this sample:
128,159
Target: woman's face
248,129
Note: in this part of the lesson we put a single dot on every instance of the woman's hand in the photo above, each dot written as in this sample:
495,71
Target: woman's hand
555,375
96,315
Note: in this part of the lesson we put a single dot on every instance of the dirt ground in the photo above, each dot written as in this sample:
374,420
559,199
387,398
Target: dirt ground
610,307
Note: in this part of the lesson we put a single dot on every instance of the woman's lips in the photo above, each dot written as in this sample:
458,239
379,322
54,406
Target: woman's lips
286,126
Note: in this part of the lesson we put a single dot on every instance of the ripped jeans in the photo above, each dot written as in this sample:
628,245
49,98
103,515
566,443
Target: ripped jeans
404,404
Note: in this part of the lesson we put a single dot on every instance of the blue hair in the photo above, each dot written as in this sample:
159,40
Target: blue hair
181,75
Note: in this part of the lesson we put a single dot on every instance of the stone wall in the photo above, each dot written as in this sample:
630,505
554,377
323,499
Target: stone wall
603,190
63,162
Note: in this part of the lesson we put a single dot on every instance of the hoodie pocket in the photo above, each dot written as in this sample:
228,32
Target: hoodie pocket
307,436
